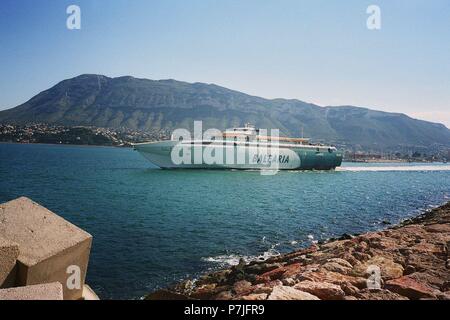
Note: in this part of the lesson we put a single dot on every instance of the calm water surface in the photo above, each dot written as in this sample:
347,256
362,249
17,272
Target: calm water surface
153,227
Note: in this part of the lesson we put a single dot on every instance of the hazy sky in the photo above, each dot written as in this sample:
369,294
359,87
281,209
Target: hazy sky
316,51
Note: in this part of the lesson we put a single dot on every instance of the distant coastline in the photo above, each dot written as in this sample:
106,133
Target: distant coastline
41,133
64,144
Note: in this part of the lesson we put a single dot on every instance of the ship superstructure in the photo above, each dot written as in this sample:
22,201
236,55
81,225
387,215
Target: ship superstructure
241,148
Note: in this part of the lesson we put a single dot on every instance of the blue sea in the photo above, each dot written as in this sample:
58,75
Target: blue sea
154,227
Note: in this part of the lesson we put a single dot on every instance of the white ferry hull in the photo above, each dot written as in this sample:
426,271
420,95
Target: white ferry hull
237,156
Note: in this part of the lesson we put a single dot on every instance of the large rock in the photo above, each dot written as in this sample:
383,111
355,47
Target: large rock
242,287
438,228
337,267
47,291
255,296
382,294
389,269
411,288
48,246
9,252
332,277
323,290
422,262
287,271
289,293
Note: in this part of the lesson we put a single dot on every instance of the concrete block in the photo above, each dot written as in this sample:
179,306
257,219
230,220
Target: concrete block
47,291
89,294
9,252
48,245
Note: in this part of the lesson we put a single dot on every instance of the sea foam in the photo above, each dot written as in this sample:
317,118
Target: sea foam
396,168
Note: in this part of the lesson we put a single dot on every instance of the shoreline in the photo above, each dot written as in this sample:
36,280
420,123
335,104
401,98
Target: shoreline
65,144
410,260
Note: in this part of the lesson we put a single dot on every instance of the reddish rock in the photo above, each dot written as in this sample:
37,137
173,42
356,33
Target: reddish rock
350,258
422,262
224,295
361,257
332,277
348,288
438,228
204,292
434,278
336,267
367,294
443,295
289,282
362,247
289,293
323,290
341,261
409,287
279,273
389,269
428,248
384,243
242,287
266,287
255,296
292,270
338,245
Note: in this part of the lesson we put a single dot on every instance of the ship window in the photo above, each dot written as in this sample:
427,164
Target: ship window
330,150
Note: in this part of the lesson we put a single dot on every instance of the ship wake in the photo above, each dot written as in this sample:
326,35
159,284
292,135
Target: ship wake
395,168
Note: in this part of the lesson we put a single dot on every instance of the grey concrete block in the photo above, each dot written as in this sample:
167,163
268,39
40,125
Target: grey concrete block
48,245
9,252
47,291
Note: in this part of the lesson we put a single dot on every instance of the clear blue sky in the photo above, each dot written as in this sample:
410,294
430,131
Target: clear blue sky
318,51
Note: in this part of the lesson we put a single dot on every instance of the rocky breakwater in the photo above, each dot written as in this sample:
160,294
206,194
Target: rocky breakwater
409,261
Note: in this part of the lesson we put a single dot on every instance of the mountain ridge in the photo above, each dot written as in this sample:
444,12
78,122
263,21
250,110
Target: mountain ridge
139,103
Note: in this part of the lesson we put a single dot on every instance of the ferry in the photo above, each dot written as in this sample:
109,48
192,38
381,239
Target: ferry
244,148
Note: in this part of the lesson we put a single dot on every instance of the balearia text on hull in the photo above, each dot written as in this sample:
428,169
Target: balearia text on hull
241,148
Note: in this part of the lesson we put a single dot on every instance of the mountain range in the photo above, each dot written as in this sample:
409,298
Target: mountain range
96,100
